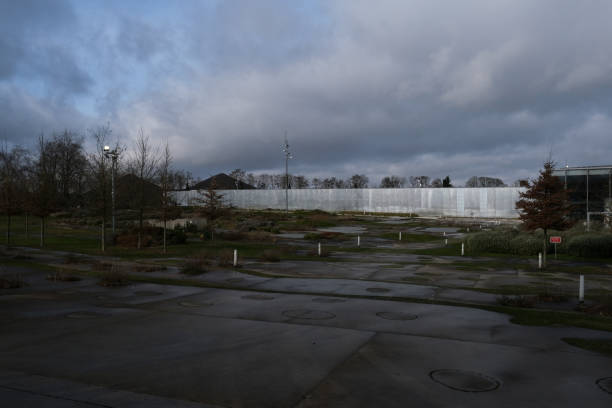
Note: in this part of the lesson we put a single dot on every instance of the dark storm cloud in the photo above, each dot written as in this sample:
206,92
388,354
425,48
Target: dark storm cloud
403,87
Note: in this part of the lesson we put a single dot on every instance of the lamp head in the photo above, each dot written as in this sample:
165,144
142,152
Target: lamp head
106,148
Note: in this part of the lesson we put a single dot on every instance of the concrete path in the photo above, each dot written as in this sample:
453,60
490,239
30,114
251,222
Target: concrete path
157,345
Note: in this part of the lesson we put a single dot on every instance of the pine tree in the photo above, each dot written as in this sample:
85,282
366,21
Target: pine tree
213,206
545,204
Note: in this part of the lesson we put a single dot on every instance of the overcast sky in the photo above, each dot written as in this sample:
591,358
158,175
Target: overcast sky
459,88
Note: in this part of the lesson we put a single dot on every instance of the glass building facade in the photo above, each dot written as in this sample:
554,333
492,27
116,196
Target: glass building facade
590,189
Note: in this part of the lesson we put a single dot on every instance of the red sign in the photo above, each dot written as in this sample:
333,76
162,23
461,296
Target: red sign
555,240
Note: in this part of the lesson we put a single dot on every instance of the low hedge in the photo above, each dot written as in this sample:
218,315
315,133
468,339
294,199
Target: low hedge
575,242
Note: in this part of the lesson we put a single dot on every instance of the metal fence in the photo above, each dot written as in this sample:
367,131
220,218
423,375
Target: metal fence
498,202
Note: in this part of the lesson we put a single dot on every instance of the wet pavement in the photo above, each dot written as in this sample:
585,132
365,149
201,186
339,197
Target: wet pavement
78,344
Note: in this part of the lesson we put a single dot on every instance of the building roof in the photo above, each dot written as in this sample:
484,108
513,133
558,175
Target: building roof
582,170
222,182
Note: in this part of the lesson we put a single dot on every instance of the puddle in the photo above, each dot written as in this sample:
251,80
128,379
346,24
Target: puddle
466,381
378,290
147,293
194,304
328,300
257,297
441,229
605,384
396,316
84,315
308,314
344,230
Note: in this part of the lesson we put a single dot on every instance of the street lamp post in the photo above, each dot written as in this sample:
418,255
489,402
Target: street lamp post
113,154
287,157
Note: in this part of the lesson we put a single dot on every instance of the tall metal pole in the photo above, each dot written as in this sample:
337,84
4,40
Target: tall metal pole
114,165
287,157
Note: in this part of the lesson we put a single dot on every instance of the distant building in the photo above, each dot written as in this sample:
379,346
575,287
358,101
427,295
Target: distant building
590,188
222,182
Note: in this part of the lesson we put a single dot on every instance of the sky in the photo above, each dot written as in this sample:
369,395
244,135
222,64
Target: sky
390,87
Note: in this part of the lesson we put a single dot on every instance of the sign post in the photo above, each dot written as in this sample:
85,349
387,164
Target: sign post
555,240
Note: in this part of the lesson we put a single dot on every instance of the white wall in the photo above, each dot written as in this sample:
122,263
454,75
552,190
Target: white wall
498,202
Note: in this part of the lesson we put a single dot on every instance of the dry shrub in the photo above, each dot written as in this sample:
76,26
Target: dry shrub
14,281
271,255
197,264
226,257
517,301
324,252
113,277
62,276
149,268
325,235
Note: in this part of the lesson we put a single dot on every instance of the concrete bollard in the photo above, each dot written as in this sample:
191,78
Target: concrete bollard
319,249
539,260
358,240
446,242
400,235
468,229
235,257
443,233
581,289
462,249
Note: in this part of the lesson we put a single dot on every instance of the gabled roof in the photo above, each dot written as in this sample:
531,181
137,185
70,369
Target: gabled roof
222,182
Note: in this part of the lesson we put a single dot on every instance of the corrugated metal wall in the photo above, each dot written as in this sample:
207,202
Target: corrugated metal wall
495,202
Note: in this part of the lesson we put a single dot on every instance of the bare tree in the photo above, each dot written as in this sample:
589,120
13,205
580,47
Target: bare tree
44,199
143,165
13,166
164,173
393,182
239,175
358,181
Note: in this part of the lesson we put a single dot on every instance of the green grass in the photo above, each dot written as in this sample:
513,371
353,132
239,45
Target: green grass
598,345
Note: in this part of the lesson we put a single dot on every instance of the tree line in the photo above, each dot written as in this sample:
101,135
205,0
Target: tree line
279,181
60,175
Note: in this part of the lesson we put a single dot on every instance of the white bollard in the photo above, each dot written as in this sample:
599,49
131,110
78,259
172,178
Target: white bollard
446,242
539,260
468,229
400,235
358,240
581,289
235,257
444,233
319,249
462,249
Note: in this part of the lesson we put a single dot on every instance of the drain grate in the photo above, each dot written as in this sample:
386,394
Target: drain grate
147,293
194,304
605,384
466,381
308,314
378,290
84,315
258,297
396,316
328,300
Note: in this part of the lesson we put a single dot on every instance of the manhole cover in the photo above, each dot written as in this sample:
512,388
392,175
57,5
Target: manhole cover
147,293
605,384
258,297
378,290
84,315
328,300
466,381
194,304
234,280
308,314
396,315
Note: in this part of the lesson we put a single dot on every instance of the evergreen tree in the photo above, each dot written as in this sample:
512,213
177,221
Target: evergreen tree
545,204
